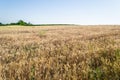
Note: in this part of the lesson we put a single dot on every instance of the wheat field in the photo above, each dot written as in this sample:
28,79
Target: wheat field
60,52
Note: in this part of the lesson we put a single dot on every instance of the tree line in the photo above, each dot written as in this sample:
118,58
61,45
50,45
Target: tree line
23,23
20,22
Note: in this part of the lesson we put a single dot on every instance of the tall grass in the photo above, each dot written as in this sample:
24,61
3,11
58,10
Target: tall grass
64,53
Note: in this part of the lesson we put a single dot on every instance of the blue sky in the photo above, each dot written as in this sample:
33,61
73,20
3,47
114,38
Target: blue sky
61,11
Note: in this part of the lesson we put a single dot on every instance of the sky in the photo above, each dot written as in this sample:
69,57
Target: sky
83,12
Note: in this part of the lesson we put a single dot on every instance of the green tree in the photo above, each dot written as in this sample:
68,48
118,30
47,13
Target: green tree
13,23
1,24
21,22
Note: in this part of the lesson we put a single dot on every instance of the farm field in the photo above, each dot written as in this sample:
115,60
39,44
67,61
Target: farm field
60,52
